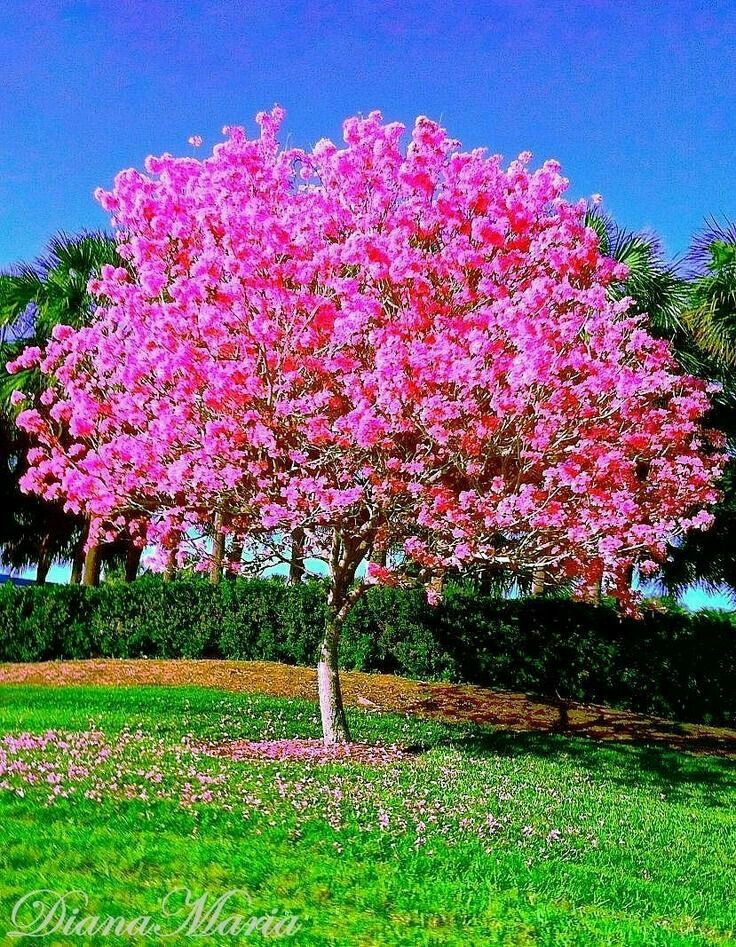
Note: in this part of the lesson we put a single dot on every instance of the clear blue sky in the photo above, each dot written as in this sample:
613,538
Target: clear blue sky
638,100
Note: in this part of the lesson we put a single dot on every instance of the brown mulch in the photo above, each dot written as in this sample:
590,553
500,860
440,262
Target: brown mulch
383,692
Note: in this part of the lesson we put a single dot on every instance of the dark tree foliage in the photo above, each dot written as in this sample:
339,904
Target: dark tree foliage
35,297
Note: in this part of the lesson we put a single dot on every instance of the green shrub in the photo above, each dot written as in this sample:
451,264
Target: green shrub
267,620
38,623
669,663
156,619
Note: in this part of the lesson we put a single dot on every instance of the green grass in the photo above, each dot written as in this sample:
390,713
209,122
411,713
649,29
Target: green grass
483,838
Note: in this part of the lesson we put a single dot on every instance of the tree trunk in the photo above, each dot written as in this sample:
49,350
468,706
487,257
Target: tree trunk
132,561
334,723
296,565
345,558
563,711
44,563
236,557
170,569
75,578
92,566
218,551
538,582
598,598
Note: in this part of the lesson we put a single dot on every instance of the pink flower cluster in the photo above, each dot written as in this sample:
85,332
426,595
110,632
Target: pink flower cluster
307,750
92,764
411,345
453,798
53,761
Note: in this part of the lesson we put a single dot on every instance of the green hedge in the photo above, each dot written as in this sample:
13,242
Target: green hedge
669,663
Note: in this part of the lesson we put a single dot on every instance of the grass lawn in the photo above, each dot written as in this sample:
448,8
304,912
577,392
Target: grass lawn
483,837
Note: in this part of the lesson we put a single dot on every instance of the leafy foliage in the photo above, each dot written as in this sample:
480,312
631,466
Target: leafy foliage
695,307
34,299
653,283
711,312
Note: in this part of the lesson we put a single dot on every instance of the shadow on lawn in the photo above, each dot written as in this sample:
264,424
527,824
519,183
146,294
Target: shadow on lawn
519,713
628,764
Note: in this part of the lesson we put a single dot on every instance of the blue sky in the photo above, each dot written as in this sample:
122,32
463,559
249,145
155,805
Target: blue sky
636,99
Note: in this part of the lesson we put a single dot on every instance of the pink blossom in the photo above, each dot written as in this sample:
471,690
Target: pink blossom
410,345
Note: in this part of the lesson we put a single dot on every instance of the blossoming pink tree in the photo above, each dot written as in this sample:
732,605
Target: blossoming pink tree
408,354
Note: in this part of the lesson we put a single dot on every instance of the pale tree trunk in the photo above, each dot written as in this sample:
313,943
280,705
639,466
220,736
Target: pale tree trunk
296,563
132,561
218,551
345,558
538,582
334,723
92,566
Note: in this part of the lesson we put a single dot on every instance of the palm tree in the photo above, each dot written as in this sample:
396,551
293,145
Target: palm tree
708,559
710,315
654,285
709,319
35,297
32,532
694,306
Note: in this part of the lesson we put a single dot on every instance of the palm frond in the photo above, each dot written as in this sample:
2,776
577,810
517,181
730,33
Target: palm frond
652,283
84,252
601,223
712,335
28,381
53,289
708,245
710,317
19,288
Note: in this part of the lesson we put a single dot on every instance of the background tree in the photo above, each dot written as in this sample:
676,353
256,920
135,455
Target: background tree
710,313
709,345
653,283
693,304
34,299
33,532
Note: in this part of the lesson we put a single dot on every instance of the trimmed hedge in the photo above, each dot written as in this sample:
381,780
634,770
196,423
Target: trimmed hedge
672,664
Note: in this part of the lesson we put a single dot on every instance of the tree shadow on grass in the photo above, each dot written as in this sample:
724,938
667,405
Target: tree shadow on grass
631,764
518,712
